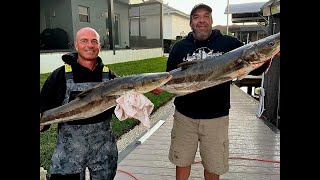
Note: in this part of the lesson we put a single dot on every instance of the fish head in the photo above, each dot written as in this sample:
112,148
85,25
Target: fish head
146,82
262,50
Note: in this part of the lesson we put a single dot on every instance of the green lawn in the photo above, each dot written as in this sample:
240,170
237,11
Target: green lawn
48,138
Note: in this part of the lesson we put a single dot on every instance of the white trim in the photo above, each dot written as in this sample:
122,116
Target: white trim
150,132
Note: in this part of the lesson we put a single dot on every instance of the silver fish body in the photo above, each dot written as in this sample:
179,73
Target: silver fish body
219,69
103,96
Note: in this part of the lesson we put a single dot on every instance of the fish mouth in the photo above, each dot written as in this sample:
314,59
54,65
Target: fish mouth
155,84
258,62
168,78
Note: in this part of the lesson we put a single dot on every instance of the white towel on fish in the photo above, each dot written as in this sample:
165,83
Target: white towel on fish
134,105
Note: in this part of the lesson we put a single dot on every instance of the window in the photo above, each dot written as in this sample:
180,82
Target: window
83,14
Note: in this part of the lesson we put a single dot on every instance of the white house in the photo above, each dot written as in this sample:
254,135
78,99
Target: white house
175,23
137,28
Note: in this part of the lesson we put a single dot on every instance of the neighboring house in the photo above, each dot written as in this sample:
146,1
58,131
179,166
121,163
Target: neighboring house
175,23
254,24
145,25
249,33
137,28
71,15
68,16
245,33
246,12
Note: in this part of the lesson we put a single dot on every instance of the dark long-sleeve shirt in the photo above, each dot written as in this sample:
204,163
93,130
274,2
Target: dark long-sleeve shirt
211,102
53,91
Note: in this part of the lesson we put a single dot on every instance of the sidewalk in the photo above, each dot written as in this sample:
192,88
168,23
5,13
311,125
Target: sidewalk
146,158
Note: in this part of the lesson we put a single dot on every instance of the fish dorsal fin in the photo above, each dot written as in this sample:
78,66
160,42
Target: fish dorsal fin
87,91
186,64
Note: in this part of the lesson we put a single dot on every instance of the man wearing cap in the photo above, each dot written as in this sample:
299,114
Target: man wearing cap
203,116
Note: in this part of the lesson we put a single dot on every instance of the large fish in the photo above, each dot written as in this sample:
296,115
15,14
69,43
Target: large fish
103,96
196,75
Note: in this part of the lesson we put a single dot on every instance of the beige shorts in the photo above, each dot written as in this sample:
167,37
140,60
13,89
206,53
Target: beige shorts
212,136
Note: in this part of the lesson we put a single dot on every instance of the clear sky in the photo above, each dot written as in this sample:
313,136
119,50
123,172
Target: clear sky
218,7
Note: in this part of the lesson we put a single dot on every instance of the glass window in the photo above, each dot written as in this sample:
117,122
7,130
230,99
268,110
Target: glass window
83,14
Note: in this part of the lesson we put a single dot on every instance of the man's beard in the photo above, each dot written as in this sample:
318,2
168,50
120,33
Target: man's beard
201,35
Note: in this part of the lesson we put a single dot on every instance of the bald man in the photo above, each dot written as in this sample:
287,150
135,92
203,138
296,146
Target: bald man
87,142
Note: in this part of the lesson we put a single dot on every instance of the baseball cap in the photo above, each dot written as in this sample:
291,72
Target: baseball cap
198,6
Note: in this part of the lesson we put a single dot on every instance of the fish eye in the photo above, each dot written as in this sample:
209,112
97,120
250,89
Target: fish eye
271,43
153,80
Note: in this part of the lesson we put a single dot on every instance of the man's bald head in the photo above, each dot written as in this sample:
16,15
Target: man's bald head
86,30
87,44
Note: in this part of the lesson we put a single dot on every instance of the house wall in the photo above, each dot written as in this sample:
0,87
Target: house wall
56,14
64,14
123,11
43,4
167,26
175,25
180,26
97,19
51,61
